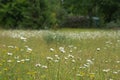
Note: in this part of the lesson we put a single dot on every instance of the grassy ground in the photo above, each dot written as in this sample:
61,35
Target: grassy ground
66,54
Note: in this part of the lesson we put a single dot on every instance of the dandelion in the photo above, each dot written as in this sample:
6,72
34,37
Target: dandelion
10,54
51,49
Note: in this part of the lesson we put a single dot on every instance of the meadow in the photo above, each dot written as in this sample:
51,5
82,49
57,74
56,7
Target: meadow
65,54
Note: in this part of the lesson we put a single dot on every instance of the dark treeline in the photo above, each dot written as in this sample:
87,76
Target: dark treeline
46,14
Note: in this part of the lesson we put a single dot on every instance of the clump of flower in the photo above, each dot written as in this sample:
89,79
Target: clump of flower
62,50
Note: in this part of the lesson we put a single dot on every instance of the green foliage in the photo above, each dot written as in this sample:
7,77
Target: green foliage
45,14
110,9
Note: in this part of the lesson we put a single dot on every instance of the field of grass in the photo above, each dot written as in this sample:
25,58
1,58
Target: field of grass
66,54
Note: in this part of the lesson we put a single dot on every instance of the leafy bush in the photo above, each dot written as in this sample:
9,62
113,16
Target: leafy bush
113,24
32,14
76,21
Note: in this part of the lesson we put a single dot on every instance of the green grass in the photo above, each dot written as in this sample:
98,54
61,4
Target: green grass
66,54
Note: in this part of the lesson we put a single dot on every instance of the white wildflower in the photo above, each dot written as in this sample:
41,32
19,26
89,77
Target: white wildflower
29,49
70,56
117,61
89,61
110,79
115,72
22,60
27,59
16,57
106,70
37,65
9,61
62,49
49,58
73,61
23,38
65,58
98,49
10,46
118,40
51,49
71,51
44,66
56,61
57,56
18,61
75,47
10,54
86,65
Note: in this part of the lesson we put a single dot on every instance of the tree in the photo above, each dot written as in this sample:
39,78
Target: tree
110,9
